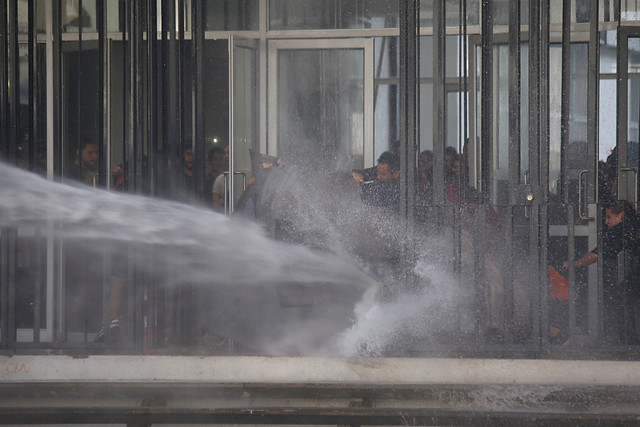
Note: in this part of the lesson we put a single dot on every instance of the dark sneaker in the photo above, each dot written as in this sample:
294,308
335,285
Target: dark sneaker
112,333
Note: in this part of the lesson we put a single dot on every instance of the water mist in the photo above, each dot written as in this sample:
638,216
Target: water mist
321,296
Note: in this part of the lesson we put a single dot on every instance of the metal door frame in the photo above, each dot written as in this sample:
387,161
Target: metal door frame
622,114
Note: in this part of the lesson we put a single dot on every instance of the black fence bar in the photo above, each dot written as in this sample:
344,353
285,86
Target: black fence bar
104,171
130,90
439,101
56,29
136,280
34,156
180,75
514,101
543,153
149,330
34,87
486,102
409,123
197,83
13,82
4,89
486,142
172,88
137,94
538,293
5,266
595,297
4,145
409,45
152,95
514,154
15,144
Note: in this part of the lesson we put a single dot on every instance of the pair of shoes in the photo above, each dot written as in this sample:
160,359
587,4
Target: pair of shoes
112,333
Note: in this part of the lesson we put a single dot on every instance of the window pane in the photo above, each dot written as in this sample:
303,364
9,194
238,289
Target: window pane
231,15
332,14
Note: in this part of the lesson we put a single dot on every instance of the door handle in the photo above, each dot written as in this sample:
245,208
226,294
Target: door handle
226,188
244,180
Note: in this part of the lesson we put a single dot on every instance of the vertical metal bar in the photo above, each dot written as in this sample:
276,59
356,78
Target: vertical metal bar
4,89
131,94
9,236
514,101
33,85
126,83
135,278
13,82
197,113
150,291
543,151
37,285
409,66
57,89
104,174
34,154
180,49
55,145
514,151
78,112
409,123
174,145
229,182
486,103
565,97
534,159
263,24
622,113
4,289
593,78
439,101
152,94
486,142
564,144
4,145
137,93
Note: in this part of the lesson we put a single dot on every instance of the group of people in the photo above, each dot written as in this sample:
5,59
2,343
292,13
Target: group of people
380,186
83,167
620,292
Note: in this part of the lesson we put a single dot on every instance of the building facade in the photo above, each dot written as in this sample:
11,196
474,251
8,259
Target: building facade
537,101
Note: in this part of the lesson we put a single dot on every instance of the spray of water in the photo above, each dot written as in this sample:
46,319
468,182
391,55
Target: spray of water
320,297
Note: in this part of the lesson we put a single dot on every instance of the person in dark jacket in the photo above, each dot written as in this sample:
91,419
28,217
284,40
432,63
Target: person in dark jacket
619,297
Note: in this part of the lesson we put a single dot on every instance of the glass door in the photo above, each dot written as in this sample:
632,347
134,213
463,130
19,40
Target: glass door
243,115
620,282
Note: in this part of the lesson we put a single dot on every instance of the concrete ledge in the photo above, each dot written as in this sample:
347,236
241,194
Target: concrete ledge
263,390
151,369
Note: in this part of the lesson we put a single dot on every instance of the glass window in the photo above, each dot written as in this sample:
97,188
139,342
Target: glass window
452,13
321,107
630,11
332,14
231,15
73,18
